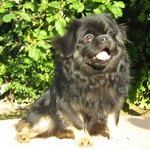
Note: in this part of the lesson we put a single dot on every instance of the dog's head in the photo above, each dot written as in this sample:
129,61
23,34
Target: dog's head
96,41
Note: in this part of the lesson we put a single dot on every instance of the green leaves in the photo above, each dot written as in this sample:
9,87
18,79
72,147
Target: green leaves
116,8
29,5
55,4
8,4
3,69
60,26
101,1
1,49
2,9
34,53
38,50
4,5
26,29
8,17
78,6
100,9
24,16
40,34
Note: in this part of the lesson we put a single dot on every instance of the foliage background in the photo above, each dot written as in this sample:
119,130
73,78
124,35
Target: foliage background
28,26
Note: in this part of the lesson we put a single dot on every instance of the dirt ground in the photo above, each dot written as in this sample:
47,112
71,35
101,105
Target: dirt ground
133,133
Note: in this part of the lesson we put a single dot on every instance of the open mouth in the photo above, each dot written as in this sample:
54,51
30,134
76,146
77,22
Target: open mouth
103,55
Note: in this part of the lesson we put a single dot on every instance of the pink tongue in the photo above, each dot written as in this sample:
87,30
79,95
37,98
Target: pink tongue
102,56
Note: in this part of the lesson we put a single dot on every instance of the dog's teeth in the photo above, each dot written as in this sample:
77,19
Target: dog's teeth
94,57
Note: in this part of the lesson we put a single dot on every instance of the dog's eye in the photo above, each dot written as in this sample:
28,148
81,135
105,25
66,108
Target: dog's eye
111,32
88,37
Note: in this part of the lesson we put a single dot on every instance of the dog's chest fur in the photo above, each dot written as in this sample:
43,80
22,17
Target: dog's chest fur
94,95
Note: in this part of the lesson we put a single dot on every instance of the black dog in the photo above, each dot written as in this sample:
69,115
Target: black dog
90,84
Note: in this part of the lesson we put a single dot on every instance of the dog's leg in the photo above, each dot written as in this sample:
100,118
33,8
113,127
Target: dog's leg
112,122
76,125
61,134
82,138
23,135
114,134
26,130
71,115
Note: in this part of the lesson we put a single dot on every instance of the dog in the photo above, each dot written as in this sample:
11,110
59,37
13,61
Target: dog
92,75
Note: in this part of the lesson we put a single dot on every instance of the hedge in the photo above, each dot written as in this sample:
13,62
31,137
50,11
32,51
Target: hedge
28,26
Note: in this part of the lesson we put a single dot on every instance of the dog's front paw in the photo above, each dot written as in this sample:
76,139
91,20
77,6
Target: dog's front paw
84,142
82,138
23,137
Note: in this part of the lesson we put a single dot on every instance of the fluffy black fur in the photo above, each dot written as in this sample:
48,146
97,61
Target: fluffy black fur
86,90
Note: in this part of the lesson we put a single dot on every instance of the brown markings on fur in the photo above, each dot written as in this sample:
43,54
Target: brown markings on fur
65,134
22,124
26,132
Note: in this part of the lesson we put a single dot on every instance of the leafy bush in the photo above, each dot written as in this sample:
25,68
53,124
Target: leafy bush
137,16
27,27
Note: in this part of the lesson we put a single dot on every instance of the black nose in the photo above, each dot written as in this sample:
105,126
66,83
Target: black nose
103,38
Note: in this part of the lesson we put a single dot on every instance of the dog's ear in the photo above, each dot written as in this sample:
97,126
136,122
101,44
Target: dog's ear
121,28
66,44
122,36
